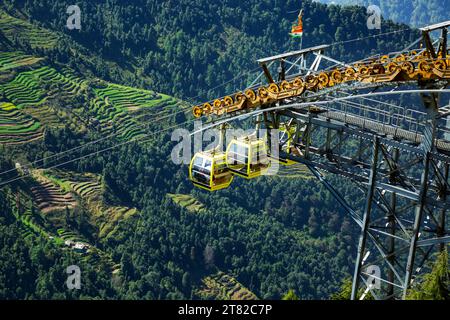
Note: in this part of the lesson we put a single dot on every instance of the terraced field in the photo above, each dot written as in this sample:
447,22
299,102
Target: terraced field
221,286
54,98
25,233
17,127
187,201
113,120
31,225
13,60
72,77
110,219
46,115
106,218
30,221
33,221
49,196
70,235
118,107
45,92
24,90
86,185
38,92
12,28
132,99
34,87
89,188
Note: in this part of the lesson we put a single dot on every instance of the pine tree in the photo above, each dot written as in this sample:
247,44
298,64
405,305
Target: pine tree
434,285
290,295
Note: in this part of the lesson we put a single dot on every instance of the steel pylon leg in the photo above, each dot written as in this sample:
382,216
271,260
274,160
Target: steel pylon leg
391,230
366,220
417,224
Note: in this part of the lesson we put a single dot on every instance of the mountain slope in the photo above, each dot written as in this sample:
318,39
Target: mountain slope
416,13
135,209
117,204
186,48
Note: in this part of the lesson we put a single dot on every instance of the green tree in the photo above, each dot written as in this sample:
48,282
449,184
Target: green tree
434,285
290,295
345,292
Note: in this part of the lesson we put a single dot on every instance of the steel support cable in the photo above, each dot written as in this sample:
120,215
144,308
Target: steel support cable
300,105
133,118
362,38
101,139
137,139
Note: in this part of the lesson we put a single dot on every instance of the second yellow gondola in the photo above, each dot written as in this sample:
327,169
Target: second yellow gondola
247,157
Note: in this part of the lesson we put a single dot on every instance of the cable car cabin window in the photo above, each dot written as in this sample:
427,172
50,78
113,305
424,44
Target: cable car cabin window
209,171
201,170
259,159
238,154
237,157
247,157
221,174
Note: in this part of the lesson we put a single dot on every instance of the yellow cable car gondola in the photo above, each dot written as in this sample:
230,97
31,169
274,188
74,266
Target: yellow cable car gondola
208,170
247,157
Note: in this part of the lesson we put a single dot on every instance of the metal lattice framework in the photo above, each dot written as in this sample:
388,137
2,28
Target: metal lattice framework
337,119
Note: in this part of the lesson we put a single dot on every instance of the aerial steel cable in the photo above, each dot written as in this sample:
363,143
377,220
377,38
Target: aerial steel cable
138,140
306,104
145,114
100,139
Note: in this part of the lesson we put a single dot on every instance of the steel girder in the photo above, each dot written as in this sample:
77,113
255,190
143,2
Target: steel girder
403,220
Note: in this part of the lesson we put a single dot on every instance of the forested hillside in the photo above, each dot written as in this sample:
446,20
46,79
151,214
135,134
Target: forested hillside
189,47
416,13
148,233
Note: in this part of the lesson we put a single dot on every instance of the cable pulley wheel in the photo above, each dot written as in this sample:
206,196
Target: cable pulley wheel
273,88
285,85
250,95
228,101
197,111
323,79
336,76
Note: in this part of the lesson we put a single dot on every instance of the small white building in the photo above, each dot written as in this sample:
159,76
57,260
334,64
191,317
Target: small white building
69,243
22,169
80,247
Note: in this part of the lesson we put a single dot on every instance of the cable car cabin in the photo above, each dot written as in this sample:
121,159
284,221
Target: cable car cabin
247,157
208,170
